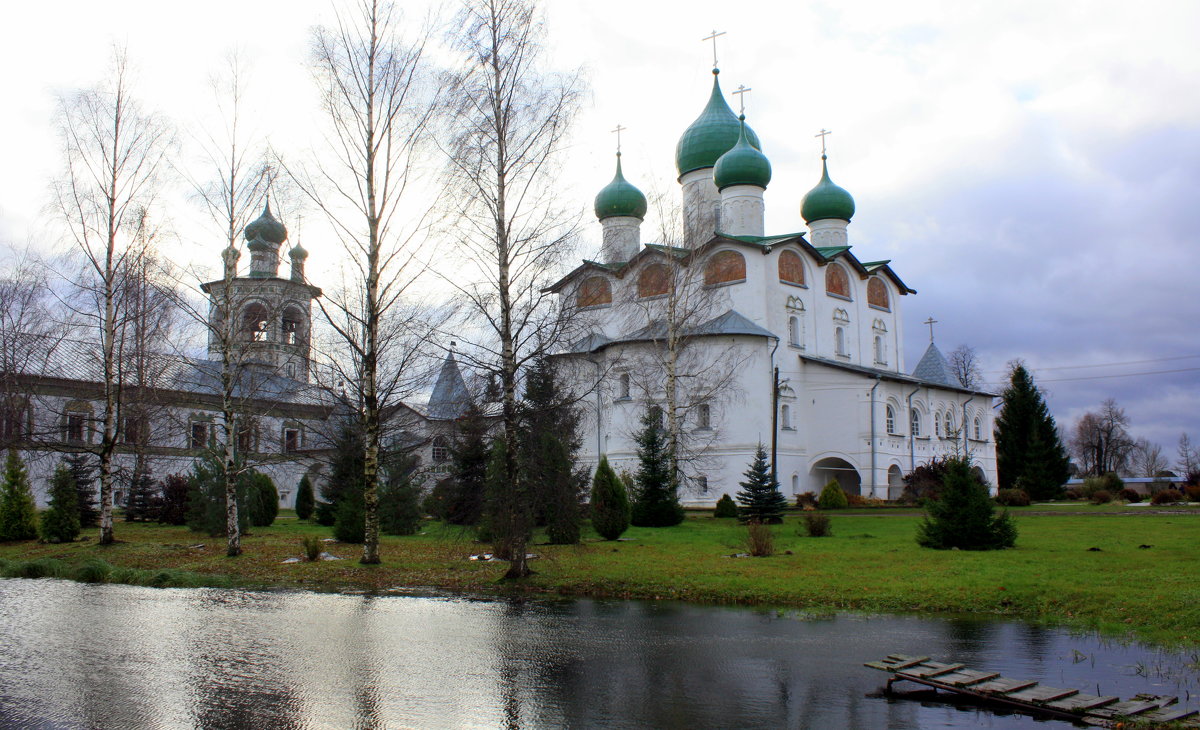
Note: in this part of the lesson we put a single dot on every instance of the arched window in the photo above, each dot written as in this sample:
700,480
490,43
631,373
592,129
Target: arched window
890,419
880,355
292,327
255,321
785,417
916,422
949,424
837,282
794,331
839,336
978,429
791,268
937,425
441,449
724,267
595,291
653,281
623,385
877,293
795,484
704,416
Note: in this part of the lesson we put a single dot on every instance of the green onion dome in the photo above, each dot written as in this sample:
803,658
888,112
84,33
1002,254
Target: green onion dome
713,134
619,197
298,253
266,227
826,200
742,165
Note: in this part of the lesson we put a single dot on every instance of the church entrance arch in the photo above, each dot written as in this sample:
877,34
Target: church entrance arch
895,483
834,467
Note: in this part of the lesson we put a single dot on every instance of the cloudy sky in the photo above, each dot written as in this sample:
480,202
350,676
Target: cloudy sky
1032,168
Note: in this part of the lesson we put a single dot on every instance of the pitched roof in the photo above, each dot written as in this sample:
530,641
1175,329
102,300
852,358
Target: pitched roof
450,398
934,368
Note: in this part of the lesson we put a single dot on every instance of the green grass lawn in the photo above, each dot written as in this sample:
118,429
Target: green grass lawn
871,563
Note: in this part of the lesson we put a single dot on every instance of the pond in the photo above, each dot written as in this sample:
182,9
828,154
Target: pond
78,655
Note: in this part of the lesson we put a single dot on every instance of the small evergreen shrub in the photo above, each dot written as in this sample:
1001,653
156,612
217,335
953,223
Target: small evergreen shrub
1167,496
759,499
964,516
18,513
1072,495
173,509
93,571
817,524
142,504
399,506
833,496
305,498
206,498
60,522
349,525
262,499
85,484
725,507
1129,495
609,502
1102,496
760,541
656,498
437,502
1012,498
313,547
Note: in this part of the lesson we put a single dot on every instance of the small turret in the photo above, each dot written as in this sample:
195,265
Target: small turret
298,255
264,236
742,175
827,209
621,208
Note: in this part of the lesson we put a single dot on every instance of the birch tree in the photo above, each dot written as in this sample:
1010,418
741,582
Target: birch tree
233,182
114,155
508,121
379,101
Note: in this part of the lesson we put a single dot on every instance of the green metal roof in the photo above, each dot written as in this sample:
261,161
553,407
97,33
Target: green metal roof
266,227
828,252
826,200
620,198
713,134
742,164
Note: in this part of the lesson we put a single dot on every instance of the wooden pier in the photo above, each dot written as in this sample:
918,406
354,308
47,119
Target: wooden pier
1033,697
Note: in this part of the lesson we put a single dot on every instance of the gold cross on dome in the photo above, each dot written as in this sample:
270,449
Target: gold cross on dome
617,132
822,134
713,38
741,90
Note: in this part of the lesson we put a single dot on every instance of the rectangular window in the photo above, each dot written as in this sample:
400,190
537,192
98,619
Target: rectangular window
245,439
291,440
76,423
704,416
134,430
199,436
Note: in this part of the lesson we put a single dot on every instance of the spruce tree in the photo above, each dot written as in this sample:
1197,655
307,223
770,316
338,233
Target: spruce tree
760,500
964,515
345,476
549,441
85,489
467,489
1029,453
206,498
305,498
399,498
60,522
504,517
174,506
142,502
261,497
18,512
610,502
656,503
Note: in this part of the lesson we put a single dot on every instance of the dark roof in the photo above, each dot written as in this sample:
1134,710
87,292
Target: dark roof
933,368
728,323
450,398
891,375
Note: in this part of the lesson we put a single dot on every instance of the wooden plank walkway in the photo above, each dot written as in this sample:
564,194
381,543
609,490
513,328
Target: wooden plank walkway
1032,696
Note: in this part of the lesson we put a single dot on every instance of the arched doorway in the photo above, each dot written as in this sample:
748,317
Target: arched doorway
895,483
833,467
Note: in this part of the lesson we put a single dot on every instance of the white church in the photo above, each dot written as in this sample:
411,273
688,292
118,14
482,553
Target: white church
791,341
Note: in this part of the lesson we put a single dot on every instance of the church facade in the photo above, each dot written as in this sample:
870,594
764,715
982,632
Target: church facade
734,338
